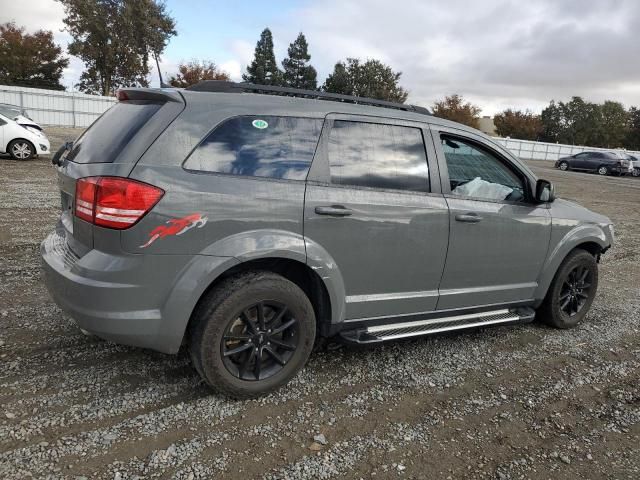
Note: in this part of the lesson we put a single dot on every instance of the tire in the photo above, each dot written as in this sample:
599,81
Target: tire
21,149
551,311
227,320
636,172
603,170
564,166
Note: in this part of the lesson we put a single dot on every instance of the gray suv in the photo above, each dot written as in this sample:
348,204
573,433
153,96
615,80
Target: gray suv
247,222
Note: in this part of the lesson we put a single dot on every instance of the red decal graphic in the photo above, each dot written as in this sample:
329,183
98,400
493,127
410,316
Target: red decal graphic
176,226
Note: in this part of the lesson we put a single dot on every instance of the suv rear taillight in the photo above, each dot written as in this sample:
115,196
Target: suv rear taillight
114,202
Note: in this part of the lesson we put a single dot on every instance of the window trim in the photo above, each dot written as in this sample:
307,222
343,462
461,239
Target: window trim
320,173
253,177
526,179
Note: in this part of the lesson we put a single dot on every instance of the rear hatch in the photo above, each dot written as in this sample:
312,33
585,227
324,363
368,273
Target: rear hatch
111,146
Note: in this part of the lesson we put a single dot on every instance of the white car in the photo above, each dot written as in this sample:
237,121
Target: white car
634,165
625,156
20,136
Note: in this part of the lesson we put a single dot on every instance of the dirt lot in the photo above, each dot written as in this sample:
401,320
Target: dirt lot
517,402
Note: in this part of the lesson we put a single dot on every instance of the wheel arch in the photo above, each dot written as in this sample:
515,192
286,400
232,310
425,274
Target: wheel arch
588,238
296,272
23,139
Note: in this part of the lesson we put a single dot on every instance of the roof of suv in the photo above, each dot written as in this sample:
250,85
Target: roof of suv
307,102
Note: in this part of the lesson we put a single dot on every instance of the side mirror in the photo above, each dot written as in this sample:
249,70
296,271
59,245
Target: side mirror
545,191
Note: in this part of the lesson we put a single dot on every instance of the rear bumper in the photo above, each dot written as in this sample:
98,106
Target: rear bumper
121,298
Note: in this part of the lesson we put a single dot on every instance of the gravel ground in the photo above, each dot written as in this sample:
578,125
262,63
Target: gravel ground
510,402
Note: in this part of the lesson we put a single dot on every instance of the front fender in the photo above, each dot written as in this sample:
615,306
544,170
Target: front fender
566,236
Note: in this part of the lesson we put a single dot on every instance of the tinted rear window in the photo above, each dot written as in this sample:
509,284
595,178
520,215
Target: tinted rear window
378,156
265,146
107,136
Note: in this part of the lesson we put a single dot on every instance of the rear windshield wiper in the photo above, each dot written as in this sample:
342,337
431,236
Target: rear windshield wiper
66,146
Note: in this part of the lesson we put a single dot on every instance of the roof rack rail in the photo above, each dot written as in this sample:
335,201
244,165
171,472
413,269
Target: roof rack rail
244,87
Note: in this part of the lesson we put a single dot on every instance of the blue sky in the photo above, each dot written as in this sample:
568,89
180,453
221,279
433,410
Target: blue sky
496,53
223,31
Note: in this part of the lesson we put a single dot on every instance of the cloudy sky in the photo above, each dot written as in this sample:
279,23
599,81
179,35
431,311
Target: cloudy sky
497,53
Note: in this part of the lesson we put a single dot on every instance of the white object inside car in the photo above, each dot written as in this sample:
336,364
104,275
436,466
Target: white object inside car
480,188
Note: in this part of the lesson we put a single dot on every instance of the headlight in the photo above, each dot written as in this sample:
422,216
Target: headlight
612,231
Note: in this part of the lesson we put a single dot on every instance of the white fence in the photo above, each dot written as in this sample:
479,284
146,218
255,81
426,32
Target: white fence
57,108
530,150
71,109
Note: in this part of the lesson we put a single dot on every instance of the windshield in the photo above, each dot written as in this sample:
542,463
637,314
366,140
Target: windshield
11,112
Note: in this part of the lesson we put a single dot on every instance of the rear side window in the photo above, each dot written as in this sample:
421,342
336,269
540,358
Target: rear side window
108,135
265,146
378,156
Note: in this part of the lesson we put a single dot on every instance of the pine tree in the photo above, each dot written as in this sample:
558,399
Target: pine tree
297,71
264,69
371,78
339,81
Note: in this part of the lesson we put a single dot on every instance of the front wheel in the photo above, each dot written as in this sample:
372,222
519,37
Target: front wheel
571,292
21,150
252,334
564,166
636,172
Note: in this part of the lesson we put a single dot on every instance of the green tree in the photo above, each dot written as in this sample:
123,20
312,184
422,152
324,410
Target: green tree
632,140
576,122
518,124
372,79
583,121
454,108
115,39
30,60
192,72
552,118
297,71
338,81
614,124
263,69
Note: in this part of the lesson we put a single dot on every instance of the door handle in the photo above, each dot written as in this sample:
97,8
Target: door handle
470,217
334,211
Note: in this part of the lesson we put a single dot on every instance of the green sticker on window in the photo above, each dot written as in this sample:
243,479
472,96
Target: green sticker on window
261,124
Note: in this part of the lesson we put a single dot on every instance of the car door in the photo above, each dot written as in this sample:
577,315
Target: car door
498,237
373,207
593,160
581,160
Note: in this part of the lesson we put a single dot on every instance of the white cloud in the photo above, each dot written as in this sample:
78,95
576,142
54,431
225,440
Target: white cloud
233,68
497,53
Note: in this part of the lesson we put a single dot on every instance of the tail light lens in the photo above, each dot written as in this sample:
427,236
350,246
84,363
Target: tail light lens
114,202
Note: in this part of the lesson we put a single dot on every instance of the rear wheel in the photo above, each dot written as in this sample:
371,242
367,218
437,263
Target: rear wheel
571,292
564,166
636,172
252,334
603,170
21,150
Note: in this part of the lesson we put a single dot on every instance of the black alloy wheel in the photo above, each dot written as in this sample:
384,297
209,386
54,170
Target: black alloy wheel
260,341
571,291
575,290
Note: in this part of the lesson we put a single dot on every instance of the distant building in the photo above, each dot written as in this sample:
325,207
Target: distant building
487,126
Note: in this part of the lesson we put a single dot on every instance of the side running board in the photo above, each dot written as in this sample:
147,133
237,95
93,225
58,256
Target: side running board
392,331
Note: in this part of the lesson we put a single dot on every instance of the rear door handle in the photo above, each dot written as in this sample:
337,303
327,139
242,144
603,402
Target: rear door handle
470,217
334,211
